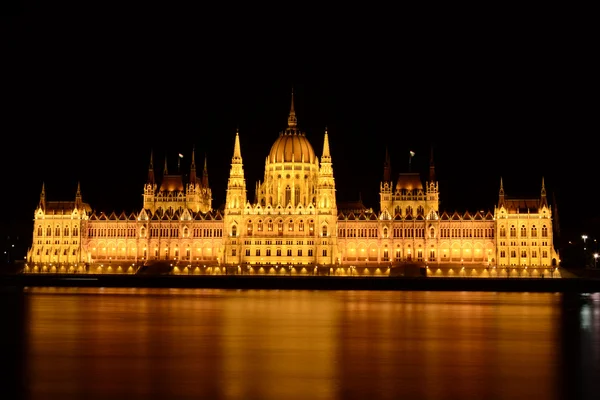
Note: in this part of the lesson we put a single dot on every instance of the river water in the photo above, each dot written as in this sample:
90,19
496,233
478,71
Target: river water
107,343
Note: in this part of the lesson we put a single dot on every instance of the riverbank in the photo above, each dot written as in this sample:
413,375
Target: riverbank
579,285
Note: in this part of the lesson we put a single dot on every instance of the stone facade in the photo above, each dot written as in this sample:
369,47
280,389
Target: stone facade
294,226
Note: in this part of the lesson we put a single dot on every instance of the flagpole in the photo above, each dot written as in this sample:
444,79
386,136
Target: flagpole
179,163
411,154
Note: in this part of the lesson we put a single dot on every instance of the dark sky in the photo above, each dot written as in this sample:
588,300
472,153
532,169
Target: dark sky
89,99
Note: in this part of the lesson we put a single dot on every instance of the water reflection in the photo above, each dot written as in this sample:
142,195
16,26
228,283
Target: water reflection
266,344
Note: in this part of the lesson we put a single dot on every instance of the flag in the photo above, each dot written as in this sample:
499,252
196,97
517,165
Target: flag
180,155
412,153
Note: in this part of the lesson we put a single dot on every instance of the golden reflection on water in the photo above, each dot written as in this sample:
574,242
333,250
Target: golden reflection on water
269,344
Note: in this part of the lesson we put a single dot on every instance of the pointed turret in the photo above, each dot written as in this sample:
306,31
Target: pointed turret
193,168
78,200
326,158
166,170
501,194
431,167
236,186
326,183
292,121
326,206
205,173
42,203
151,170
543,199
237,153
387,168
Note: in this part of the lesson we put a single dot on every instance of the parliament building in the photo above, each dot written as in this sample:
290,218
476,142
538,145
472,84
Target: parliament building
294,226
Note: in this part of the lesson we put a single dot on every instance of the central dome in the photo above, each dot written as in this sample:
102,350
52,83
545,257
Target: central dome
292,146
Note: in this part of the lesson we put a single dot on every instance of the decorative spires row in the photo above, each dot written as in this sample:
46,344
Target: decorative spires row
502,197
387,166
193,174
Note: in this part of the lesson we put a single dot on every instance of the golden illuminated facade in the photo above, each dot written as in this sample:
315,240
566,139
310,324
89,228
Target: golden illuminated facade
294,226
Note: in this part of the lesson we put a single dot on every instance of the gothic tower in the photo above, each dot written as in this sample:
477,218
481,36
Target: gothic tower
235,201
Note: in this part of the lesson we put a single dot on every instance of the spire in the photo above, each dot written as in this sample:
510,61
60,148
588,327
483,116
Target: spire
43,197
237,153
193,167
292,121
387,169
326,155
205,174
78,196
166,171
151,169
431,167
543,199
501,194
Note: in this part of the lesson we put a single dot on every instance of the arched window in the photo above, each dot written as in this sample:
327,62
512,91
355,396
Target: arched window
544,231
533,231
502,231
250,227
234,230
66,231
311,225
260,225
301,226
324,230
523,231
270,225
291,225
513,231
288,195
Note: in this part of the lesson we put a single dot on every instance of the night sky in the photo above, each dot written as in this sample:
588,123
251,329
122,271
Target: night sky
89,100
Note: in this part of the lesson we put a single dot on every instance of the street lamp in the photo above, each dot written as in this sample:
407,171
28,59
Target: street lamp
595,260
